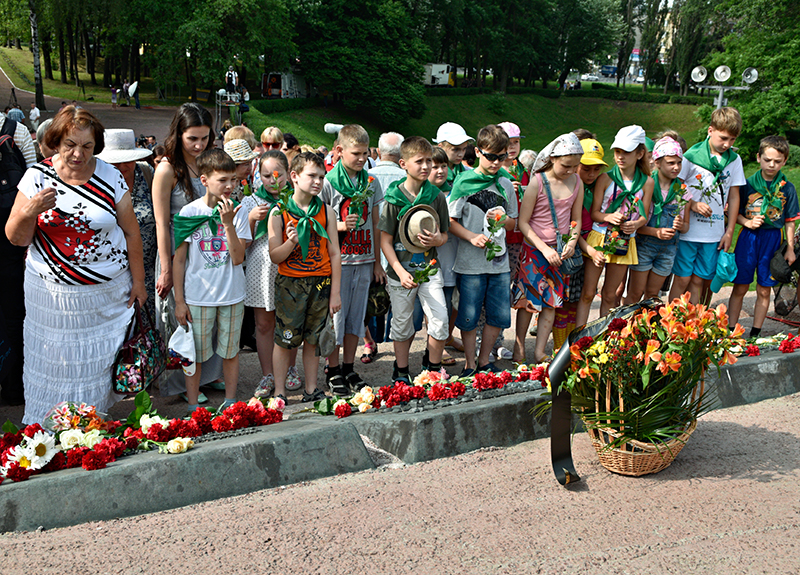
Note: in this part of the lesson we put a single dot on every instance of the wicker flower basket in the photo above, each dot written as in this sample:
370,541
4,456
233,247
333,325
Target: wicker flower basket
637,457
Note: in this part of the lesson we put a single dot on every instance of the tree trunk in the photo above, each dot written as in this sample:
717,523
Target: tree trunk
47,54
37,68
62,55
73,64
106,71
18,44
90,54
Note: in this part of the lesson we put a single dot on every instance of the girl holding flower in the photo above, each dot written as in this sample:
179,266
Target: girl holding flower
658,240
552,200
621,199
261,271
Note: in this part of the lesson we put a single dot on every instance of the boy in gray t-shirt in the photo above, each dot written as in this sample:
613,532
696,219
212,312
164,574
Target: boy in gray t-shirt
344,187
480,197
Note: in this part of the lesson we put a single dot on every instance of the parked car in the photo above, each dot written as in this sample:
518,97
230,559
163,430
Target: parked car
589,78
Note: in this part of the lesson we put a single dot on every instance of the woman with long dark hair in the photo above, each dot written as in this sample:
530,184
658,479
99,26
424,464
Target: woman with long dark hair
175,184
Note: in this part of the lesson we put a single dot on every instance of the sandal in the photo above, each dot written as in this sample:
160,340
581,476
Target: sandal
371,352
317,395
337,385
448,359
354,381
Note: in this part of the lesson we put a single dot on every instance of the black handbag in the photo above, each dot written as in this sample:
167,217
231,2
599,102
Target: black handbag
574,263
142,357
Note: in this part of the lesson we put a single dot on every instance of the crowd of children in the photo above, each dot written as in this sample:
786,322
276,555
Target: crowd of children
466,245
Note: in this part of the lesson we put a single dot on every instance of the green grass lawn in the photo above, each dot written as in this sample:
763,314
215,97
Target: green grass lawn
540,119
23,60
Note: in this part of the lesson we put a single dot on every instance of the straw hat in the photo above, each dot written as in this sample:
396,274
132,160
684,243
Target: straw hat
120,147
415,221
239,151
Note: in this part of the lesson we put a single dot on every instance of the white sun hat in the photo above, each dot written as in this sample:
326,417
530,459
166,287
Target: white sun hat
120,147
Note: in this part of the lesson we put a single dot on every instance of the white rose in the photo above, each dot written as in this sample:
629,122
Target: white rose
364,407
180,444
358,399
91,438
146,421
71,438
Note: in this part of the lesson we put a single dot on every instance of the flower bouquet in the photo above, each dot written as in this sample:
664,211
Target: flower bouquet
638,381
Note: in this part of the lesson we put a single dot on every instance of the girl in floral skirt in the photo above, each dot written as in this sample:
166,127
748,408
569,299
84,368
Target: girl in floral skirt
555,180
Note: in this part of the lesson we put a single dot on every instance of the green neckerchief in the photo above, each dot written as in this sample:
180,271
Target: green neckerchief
588,197
769,191
659,201
639,180
700,155
452,173
341,182
185,226
472,181
395,196
306,221
261,227
445,187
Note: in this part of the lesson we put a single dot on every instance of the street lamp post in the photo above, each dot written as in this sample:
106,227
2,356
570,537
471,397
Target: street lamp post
722,74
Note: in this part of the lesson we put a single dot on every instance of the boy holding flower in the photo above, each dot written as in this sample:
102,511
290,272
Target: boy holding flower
768,203
480,214
355,198
412,267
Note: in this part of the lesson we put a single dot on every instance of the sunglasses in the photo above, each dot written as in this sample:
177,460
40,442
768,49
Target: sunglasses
494,157
271,145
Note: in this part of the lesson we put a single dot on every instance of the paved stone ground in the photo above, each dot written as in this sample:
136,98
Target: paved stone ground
727,505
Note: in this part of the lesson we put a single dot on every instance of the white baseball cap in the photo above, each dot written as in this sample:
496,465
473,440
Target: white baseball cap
451,133
629,138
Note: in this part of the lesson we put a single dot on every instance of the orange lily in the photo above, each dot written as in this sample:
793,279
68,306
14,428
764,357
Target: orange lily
670,361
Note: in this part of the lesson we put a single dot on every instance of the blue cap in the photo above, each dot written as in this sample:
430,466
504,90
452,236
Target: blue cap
726,270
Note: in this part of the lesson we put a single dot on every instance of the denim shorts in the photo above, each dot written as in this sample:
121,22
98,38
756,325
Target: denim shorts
489,291
694,258
654,254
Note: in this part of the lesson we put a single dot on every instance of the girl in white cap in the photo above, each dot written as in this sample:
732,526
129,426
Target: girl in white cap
552,201
621,199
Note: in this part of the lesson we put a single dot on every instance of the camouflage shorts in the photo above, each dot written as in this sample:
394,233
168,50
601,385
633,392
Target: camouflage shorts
301,308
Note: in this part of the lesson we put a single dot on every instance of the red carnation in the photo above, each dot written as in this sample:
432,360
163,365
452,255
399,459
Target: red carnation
58,462
752,350
584,342
240,421
75,456
437,392
17,473
221,424
457,389
417,392
342,410
615,325
116,447
157,433
30,430
505,378
131,443
94,460
191,429
203,418
523,376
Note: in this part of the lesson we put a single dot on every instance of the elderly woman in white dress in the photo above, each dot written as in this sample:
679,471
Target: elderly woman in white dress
83,271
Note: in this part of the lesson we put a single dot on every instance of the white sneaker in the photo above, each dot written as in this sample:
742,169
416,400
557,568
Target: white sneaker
293,381
266,386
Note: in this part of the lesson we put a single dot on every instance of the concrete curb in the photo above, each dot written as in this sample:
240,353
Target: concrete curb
308,447
460,428
276,455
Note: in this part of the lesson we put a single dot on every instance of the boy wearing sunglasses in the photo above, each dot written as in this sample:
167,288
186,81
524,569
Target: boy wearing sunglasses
480,215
